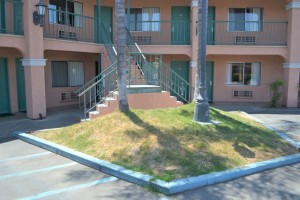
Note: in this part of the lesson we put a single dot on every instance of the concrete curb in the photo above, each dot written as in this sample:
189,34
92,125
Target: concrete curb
167,188
279,133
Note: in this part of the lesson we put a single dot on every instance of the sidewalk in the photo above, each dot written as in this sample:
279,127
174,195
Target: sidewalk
57,117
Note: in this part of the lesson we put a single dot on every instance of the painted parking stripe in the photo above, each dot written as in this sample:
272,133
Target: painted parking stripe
68,189
164,198
25,157
38,170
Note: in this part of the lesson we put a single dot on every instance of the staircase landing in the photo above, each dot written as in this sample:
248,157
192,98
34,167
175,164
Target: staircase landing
139,97
140,89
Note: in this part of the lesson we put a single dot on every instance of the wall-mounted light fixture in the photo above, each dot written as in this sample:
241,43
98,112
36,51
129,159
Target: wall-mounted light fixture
39,14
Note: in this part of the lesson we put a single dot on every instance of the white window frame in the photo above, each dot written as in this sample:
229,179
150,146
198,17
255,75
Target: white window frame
55,17
146,24
71,81
254,82
259,23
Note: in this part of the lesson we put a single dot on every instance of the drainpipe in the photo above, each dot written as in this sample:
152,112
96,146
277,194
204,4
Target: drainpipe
128,14
99,19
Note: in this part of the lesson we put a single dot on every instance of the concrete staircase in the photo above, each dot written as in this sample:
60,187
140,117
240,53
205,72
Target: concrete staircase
139,97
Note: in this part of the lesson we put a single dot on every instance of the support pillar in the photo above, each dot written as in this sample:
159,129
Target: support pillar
292,66
34,64
128,15
194,44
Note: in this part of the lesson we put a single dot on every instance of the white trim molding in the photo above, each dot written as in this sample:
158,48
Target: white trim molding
292,5
193,64
30,62
194,3
291,65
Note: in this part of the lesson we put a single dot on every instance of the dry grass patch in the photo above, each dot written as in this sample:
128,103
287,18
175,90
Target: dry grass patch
168,145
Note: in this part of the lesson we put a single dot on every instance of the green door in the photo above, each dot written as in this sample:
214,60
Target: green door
211,18
2,17
178,89
180,26
4,87
18,24
21,85
210,80
106,20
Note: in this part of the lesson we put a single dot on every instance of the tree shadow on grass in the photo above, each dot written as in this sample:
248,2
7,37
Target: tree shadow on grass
169,157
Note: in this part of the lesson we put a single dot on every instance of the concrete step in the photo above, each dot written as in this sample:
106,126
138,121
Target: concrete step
146,100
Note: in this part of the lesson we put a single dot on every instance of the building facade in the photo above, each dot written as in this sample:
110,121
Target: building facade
250,44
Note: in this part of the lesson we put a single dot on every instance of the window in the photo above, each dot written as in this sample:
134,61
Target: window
144,19
65,12
135,19
245,19
67,74
243,73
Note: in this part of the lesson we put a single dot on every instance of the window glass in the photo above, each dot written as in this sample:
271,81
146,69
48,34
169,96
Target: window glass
75,73
151,18
243,73
59,74
65,12
135,19
67,74
144,19
245,19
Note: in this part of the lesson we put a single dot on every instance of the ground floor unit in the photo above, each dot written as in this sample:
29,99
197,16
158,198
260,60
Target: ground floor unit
229,78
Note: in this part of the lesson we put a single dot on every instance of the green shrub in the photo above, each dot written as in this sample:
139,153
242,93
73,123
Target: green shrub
275,87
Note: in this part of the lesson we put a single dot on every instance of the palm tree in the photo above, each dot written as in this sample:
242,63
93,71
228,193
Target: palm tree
121,48
201,113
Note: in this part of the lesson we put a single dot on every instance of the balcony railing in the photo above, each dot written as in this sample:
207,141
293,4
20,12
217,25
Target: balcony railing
247,33
70,26
161,32
11,20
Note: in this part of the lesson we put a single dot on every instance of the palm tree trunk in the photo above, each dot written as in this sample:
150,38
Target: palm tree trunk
201,113
121,48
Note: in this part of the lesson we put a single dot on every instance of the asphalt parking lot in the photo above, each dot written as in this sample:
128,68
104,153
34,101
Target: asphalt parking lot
28,172
287,122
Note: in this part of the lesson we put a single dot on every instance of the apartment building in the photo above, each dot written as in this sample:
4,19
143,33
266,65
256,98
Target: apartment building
250,43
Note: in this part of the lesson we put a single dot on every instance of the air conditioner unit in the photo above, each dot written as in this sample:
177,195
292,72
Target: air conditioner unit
69,96
67,35
142,39
247,94
244,40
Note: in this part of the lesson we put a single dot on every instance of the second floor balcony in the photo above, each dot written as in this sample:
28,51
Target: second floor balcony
70,26
255,33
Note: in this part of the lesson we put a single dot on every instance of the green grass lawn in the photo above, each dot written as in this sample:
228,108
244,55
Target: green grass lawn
167,144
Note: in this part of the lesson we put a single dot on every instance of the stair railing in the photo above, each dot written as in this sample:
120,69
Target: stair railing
97,89
111,51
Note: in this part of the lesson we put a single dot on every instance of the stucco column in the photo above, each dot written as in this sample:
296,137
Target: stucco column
194,42
34,64
292,67
194,39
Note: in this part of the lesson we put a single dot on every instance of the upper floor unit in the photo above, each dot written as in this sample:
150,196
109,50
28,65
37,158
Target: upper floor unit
151,23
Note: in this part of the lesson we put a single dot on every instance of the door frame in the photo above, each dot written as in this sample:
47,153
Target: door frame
212,79
100,40
189,33
213,26
18,89
8,85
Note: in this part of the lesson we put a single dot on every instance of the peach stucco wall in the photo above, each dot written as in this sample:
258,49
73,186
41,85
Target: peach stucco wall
271,69
53,94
